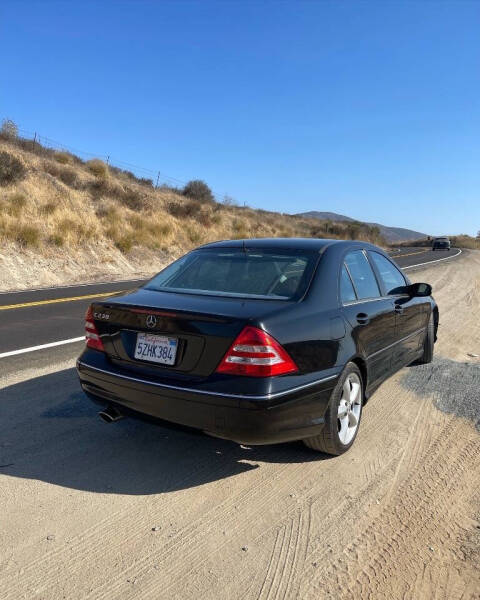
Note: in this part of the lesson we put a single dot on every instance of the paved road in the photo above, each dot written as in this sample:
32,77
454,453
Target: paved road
36,317
44,316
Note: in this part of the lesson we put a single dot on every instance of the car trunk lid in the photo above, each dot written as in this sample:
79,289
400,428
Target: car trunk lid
201,328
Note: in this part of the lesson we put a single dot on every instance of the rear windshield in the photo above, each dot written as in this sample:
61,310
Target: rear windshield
252,273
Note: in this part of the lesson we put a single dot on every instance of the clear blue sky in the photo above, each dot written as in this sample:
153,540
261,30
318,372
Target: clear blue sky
370,109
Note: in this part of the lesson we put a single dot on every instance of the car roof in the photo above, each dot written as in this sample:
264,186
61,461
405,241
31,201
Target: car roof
286,243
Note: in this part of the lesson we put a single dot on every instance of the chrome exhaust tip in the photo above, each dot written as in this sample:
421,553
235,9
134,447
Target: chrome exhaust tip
110,415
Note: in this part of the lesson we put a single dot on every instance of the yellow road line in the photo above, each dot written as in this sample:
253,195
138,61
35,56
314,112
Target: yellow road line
411,253
55,300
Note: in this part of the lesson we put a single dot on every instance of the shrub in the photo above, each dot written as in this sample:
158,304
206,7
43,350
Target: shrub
134,199
97,167
204,217
26,235
240,228
66,174
9,129
69,177
124,172
108,213
103,187
63,157
164,187
123,240
56,239
146,228
51,168
18,199
49,208
11,168
198,190
17,203
75,228
193,235
124,243
184,209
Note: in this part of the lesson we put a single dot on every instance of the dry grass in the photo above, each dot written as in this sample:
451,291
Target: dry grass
97,167
63,158
63,202
465,241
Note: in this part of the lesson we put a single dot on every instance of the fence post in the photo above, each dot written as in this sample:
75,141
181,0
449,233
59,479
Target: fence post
158,177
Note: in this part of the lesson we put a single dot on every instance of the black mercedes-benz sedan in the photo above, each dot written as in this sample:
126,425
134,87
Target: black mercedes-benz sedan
260,341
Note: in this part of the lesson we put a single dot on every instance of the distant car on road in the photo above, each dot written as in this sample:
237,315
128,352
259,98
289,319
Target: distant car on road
441,243
260,341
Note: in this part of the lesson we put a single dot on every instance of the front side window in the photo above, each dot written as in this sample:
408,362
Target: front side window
362,275
391,277
237,272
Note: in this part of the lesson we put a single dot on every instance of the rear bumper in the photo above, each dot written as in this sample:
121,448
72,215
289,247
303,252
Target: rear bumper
291,415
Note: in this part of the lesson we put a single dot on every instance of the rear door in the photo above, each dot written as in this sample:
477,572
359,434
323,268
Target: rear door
411,314
371,315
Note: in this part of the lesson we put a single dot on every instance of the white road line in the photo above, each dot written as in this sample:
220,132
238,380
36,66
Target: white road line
430,262
42,347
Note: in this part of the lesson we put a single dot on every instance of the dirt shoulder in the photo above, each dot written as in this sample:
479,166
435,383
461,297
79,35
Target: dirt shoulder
394,518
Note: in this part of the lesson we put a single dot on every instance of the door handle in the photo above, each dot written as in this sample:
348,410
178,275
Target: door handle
399,309
363,319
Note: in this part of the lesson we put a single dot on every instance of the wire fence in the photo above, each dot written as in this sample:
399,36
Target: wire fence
157,177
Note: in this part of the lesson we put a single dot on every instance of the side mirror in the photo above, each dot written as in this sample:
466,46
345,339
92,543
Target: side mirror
419,290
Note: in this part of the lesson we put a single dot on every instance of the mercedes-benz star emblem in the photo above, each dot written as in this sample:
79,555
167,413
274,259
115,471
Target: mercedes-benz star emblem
151,321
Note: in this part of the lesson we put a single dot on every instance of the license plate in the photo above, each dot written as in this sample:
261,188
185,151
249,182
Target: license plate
156,348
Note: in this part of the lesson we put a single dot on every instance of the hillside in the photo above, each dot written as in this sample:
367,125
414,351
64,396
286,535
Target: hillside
391,234
64,220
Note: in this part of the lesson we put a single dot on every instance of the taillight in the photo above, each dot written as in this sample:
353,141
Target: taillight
91,334
257,354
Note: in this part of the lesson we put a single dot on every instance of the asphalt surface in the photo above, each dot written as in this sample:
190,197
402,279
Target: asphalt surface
44,316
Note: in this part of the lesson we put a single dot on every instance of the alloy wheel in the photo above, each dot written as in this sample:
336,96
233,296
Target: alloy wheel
349,409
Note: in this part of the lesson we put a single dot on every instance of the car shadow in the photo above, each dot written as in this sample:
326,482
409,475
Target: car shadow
51,432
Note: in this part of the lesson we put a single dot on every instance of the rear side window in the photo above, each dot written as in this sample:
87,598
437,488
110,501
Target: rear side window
237,272
391,277
347,293
362,275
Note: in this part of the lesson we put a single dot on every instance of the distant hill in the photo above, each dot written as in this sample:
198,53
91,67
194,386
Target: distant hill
391,234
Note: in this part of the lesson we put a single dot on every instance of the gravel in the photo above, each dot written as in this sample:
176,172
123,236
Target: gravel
453,385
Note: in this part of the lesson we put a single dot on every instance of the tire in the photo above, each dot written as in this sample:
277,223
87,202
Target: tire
338,434
428,344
